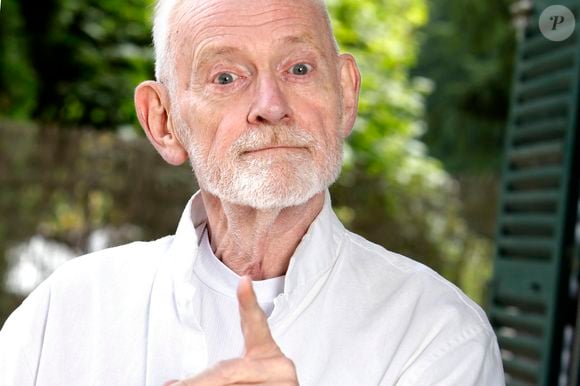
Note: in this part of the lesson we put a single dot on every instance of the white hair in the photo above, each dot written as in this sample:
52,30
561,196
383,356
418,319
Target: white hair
164,53
161,31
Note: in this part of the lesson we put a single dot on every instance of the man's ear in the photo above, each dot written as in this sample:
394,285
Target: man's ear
350,81
152,103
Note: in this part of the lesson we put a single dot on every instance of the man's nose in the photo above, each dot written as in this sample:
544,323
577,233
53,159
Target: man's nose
269,104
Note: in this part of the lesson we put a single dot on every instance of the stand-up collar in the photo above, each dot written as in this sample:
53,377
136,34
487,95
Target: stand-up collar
314,256
185,245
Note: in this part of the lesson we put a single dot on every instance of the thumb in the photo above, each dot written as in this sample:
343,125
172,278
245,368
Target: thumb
257,336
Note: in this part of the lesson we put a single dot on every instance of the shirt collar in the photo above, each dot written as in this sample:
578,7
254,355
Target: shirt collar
318,249
315,255
185,246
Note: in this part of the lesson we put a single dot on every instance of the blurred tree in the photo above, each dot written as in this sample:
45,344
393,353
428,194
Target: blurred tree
17,78
467,50
73,63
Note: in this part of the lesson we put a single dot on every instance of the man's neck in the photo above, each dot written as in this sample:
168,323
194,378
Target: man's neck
258,243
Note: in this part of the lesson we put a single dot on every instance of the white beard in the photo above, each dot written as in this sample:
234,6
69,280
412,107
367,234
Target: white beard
277,179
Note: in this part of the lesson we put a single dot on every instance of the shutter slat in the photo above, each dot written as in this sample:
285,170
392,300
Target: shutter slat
548,196
526,367
537,150
528,220
520,343
527,243
545,84
547,61
533,46
540,173
543,106
516,318
532,130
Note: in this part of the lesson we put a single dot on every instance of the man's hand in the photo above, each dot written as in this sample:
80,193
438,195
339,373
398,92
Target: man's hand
263,363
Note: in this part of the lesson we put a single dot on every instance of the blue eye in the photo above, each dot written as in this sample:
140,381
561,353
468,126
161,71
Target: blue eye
225,78
300,69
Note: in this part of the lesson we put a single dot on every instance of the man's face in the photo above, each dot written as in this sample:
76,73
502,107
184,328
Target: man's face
257,102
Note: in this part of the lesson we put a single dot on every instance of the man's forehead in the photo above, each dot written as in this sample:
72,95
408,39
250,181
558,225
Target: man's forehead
190,17
202,6
221,47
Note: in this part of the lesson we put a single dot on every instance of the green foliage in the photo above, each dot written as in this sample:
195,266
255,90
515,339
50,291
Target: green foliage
18,84
73,63
467,51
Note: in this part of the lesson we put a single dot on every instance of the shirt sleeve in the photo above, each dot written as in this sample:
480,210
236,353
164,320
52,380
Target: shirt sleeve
468,362
21,339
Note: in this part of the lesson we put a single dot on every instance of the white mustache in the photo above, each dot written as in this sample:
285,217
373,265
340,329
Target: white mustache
268,136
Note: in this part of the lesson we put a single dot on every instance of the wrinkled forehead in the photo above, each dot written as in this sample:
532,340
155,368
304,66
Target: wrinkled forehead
194,21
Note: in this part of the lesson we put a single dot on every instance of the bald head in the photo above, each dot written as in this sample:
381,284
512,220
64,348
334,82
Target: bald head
169,13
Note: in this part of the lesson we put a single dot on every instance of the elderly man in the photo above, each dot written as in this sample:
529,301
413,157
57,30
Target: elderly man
256,96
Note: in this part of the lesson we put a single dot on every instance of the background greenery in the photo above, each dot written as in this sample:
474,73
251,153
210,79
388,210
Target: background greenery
420,168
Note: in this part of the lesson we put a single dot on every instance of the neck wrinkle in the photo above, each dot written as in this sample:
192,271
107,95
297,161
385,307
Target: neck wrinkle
258,243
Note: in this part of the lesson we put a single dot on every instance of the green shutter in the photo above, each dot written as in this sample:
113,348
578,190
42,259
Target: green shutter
529,294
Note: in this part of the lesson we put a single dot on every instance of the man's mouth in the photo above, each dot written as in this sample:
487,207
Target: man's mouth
273,148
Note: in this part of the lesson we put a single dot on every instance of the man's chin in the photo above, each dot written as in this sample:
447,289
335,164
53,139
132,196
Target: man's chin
263,201
271,185
268,198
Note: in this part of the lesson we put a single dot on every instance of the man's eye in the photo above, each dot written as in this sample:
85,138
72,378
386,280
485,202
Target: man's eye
300,69
225,78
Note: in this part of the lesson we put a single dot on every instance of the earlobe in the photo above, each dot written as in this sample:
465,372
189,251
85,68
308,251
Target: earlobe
350,81
152,104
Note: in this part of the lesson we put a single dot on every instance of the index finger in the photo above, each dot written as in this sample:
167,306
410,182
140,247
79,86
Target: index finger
257,336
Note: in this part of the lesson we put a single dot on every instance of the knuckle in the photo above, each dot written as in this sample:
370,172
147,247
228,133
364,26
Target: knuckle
288,366
246,361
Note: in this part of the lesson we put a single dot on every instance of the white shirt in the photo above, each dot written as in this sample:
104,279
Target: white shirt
217,304
351,314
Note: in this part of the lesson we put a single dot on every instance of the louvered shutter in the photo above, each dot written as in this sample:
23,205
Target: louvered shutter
530,301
